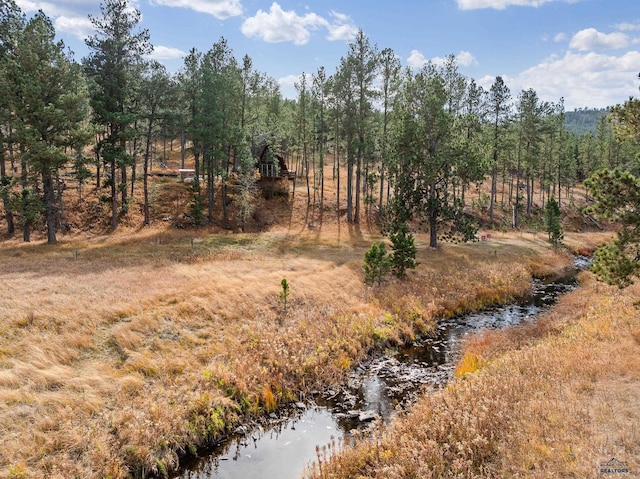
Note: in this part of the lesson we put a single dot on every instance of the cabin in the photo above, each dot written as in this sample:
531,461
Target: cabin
271,165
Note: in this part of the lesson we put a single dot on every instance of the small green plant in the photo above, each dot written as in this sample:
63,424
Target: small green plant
404,251
483,201
17,471
161,468
553,223
376,263
284,294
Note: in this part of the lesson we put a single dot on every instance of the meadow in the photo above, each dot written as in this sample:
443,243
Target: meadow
121,353
557,397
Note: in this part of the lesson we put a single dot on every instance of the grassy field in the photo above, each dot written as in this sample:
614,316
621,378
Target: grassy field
119,353
559,397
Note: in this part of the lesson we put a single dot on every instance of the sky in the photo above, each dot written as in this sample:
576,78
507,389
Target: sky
585,51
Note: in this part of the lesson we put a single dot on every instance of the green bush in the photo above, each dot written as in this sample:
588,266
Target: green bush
404,251
376,263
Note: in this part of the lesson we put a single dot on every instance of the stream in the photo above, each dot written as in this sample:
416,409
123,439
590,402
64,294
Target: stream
376,388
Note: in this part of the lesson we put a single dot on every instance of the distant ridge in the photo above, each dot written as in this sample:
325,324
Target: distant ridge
584,120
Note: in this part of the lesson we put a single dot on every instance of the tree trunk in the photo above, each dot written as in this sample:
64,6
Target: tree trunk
517,202
26,228
356,216
98,161
494,191
337,172
559,185
182,148
336,165
210,190
349,189
529,181
123,186
50,207
134,161
433,217
381,187
145,173
225,213
4,182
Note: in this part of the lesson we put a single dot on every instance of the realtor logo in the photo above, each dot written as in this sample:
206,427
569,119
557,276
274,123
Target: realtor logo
614,466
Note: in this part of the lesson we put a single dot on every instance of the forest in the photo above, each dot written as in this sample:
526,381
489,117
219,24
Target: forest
410,143
191,256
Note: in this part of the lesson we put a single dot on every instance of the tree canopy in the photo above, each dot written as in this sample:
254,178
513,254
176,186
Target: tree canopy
617,196
416,145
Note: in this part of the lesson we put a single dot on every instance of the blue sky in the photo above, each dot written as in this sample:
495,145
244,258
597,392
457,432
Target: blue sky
586,51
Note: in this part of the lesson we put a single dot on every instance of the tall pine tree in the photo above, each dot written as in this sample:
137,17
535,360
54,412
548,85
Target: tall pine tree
117,49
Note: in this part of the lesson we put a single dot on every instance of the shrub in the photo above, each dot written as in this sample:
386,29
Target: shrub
404,251
552,222
376,263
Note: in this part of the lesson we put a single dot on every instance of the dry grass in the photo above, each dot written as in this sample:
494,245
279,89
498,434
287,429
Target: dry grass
555,398
152,341
119,353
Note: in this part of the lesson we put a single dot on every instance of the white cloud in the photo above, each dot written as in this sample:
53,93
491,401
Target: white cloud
628,27
80,27
418,60
582,79
288,86
166,53
221,9
502,4
51,10
342,27
560,37
62,15
592,39
289,80
278,25
340,17
466,59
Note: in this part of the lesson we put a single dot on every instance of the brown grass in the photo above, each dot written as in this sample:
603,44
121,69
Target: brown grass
554,398
152,341
156,340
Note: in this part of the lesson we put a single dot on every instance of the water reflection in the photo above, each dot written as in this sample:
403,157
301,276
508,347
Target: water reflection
375,389
282,452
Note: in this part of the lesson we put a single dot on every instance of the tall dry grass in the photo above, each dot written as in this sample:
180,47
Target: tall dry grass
150,345
554,398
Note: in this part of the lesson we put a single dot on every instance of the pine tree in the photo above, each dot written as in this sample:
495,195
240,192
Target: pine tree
49,111
498,103
553,222
617,196
116,51
376,263
154,98
404,251
11,24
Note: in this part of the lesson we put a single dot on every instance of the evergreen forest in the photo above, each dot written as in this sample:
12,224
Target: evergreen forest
404,145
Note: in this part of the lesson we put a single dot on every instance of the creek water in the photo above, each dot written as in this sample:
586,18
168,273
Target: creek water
377,388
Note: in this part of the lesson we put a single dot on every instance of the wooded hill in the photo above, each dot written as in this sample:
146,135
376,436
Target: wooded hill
411,146
584,120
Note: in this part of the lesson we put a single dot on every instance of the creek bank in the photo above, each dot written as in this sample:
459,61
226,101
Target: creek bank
381,386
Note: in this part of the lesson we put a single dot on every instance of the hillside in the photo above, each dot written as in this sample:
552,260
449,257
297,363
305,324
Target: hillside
583,120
